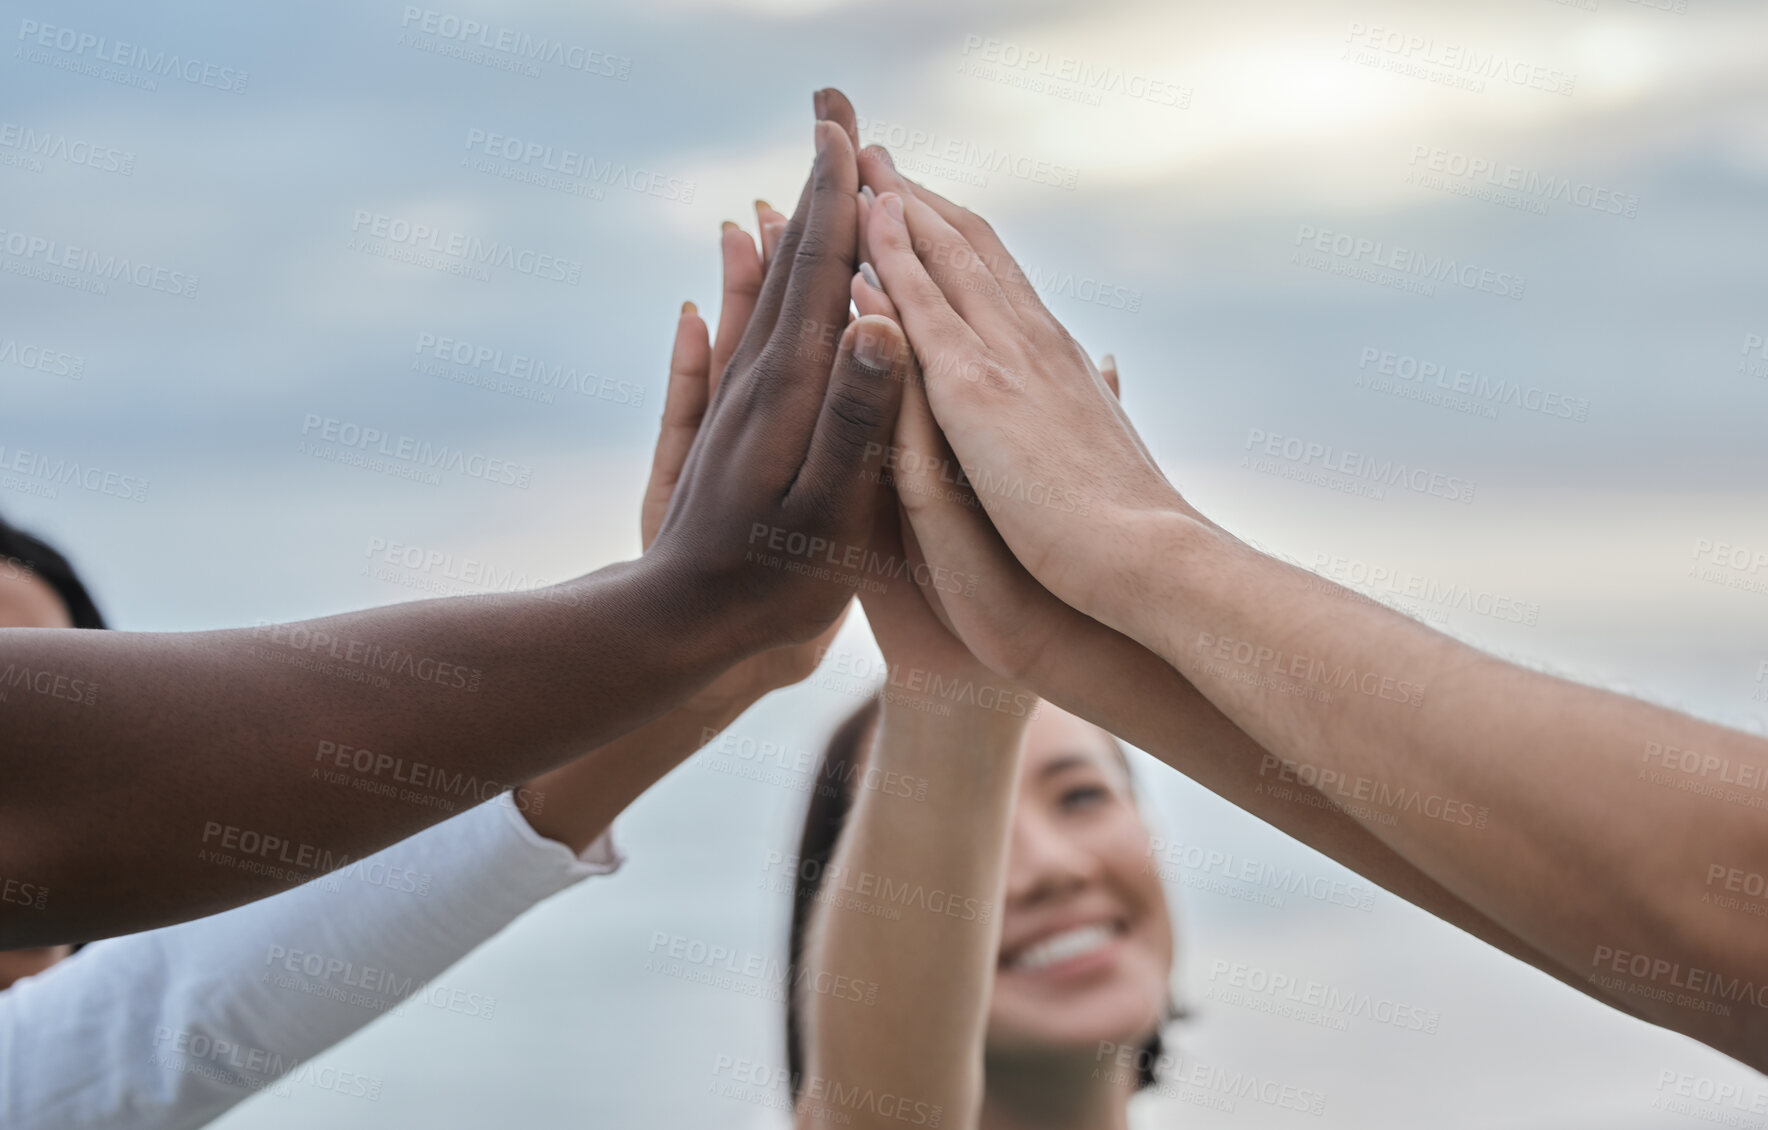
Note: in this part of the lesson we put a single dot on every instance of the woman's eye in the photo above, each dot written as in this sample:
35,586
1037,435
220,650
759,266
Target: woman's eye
1083,796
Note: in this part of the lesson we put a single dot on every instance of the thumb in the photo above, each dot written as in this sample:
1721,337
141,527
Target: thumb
842,467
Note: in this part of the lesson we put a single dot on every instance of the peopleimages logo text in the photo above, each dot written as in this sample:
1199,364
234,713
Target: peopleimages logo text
1405,261
84,260
1359,466
467,248
101,49
421,452
516,44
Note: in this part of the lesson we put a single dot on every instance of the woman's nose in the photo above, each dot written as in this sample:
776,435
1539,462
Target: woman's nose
1044,863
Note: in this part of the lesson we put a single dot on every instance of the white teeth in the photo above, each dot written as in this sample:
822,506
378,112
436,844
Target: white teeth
1064,946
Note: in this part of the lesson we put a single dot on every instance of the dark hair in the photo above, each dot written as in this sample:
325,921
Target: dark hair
39,558
831,799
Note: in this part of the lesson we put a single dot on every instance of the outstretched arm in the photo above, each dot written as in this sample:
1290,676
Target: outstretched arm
1072,660
1023,632
187,782
171,1028
1529,799
257,991
918,1037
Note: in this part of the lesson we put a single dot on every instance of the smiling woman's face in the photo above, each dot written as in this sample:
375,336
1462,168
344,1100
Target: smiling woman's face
1086,940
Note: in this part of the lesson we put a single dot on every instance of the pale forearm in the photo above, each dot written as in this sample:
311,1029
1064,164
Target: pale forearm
921,1038
1118,684
1518,793
205,759
576,803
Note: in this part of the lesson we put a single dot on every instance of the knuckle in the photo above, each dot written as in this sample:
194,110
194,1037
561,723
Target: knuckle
825,178
813,246
971,224
823,503
860,409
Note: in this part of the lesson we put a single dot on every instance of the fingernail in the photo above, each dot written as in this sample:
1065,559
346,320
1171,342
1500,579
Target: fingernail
822,138
1108,362
892,204
689,308
871,276
728,225
821,101
762,206
865,190
874,347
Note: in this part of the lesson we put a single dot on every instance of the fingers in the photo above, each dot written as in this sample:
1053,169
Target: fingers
822,258
867,200
684,406
742,288
833,106
772,225
824,217
1001,614
926,474
868,294
927,479
960,271
980,234
841,470
939,335
775,277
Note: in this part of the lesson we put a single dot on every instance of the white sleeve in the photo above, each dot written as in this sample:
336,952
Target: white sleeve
168,1029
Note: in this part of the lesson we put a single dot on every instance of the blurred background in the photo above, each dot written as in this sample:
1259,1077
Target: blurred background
1246,203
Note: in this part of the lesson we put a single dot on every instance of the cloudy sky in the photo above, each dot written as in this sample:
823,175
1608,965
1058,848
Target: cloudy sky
1247,203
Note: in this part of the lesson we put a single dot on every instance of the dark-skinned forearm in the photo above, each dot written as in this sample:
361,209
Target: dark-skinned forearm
212,768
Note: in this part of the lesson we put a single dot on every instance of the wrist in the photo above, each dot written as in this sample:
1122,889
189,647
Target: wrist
972,756
679,615
976,703
667,644
1165,552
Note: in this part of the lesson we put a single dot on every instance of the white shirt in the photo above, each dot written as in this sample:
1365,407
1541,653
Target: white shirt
168,1029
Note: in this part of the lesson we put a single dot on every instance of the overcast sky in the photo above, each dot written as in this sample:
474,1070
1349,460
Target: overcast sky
1239,207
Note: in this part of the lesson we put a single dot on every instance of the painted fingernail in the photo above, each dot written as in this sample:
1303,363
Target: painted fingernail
874,347
892,204
689,308
871,276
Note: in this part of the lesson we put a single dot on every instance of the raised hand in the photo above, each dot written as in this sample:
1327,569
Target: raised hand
774,480
582,799
695,365
1053,458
